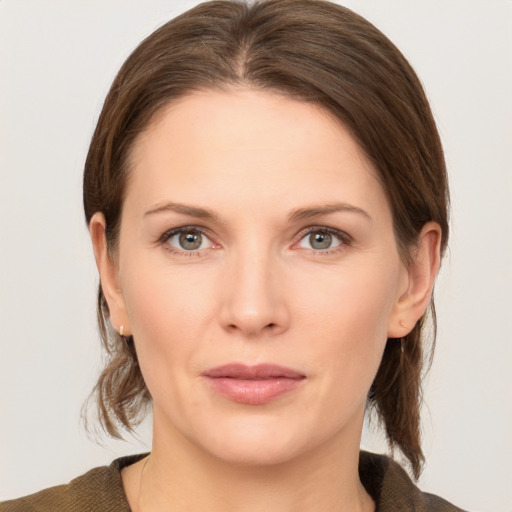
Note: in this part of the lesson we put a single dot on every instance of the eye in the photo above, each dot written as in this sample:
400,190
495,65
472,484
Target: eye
322,239
187,240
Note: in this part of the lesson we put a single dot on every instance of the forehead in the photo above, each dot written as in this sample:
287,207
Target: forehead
249,143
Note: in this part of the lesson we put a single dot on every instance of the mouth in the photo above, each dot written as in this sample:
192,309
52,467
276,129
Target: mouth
253,385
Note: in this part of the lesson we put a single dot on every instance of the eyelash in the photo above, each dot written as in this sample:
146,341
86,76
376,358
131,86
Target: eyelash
344,238
164,239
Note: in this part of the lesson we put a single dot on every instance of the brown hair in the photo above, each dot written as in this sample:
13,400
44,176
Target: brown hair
310,50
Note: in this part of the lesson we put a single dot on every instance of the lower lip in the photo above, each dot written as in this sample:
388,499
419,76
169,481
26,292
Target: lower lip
253,392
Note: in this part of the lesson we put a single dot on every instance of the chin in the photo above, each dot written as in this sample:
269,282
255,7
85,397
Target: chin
270,453
256,443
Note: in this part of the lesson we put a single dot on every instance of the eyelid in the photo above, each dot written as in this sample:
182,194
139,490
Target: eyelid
343,236
167,235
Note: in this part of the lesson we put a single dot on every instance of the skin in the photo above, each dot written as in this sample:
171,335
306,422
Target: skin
257,291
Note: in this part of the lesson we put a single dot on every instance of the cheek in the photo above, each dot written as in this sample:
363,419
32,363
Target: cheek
169,310
347,314
161,297
355,299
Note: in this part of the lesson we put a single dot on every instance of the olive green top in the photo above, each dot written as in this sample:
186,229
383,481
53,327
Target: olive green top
101,490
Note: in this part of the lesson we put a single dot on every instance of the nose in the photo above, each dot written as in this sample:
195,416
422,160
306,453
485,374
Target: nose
254,297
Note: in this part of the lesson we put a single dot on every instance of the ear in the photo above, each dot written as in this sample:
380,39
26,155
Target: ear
109,275
421,274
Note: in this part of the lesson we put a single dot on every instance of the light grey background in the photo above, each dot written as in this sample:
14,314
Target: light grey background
57,59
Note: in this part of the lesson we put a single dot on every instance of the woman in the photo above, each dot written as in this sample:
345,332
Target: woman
267,201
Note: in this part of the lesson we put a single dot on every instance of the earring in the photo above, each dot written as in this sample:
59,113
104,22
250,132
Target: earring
402,323
121,330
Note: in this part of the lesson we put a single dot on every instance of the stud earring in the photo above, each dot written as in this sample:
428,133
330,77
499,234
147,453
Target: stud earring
121,330
402,323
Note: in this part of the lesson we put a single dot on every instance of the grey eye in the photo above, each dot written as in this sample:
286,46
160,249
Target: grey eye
320,240
190,240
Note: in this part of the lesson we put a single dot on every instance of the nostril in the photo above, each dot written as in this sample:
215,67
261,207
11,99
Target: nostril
271,325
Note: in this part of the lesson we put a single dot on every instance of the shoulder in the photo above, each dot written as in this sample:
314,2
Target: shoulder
393,490
100,489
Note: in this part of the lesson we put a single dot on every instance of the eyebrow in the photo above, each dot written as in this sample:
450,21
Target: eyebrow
192,211
294,216
316,211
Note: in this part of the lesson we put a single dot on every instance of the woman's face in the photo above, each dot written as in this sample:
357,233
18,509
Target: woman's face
258,273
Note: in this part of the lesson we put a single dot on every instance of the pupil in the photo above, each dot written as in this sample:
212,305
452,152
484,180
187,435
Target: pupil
320,240
190,241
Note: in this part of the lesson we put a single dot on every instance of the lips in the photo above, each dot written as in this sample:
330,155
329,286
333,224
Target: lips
253,385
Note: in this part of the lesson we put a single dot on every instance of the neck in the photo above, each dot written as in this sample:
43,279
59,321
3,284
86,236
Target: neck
179,473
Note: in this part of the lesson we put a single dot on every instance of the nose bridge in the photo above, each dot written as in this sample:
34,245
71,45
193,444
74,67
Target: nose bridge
253,301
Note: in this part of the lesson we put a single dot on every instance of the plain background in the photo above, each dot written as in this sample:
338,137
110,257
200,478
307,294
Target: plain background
57,60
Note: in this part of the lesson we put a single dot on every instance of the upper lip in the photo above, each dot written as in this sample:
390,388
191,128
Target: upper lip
252,372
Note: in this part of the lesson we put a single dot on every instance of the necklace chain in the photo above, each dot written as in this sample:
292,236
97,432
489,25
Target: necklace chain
140,483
